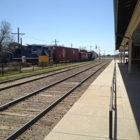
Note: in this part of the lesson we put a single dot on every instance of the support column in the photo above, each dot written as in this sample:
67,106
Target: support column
124,55
129,56
121,56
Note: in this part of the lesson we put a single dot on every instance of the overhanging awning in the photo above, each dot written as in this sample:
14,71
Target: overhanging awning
123,10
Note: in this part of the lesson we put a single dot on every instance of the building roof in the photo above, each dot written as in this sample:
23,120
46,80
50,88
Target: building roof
123,10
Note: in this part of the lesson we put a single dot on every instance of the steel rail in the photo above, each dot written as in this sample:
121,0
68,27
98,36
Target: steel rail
23,128
38,74
3,88
6,105
112,91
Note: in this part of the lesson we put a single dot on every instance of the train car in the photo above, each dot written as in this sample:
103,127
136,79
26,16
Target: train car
83,55
92,55
31,52
60,53
55,53
65,54
73,54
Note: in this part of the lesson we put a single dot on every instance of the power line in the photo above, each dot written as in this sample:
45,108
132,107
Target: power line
49,41
36,39
55,42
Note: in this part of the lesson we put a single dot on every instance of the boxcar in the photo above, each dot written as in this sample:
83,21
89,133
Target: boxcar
73,54
60,53
83,55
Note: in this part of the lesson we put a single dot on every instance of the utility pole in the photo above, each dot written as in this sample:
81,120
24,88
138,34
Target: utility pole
19,34
90,48
71,52
21,47
21,41
99,52
55,42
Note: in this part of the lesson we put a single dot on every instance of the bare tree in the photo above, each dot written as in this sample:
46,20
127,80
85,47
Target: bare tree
5,37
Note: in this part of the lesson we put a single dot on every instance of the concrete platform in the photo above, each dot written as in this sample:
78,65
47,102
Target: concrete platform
88,119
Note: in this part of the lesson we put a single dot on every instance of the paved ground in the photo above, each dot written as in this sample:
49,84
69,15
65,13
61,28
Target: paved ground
88,119
128,110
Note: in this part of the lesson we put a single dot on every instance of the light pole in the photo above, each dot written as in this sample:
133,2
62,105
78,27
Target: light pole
99,52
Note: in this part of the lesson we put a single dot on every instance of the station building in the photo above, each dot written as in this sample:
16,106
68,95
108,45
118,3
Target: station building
127,30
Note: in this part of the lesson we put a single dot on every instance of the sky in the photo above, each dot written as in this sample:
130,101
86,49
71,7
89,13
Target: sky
82,23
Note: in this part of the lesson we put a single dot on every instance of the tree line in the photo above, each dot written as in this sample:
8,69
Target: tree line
6,38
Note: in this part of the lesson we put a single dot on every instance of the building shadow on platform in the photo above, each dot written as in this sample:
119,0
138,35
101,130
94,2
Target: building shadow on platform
132,85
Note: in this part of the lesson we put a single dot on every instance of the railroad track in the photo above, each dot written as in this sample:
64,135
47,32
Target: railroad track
23,89
26,113
24,78
19,81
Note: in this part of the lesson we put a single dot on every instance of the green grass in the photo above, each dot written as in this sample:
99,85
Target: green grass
38,70
104,67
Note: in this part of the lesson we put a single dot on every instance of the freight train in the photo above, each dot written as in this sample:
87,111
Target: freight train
55,53
64,54
31,52
67,54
